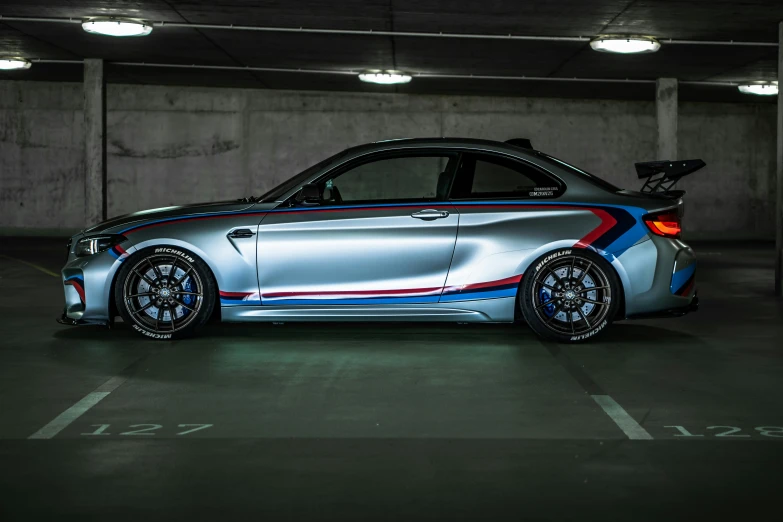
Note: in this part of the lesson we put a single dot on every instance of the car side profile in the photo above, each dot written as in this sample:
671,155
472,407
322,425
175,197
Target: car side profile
432,229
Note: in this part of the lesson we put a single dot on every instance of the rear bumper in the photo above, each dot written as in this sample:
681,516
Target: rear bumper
659,278
693,306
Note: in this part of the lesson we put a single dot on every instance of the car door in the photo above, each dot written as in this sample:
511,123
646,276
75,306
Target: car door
504,217
383,233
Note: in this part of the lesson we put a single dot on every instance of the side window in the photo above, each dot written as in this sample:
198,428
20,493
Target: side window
486,176
397,178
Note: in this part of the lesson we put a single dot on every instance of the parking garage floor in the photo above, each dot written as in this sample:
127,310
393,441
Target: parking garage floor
675,418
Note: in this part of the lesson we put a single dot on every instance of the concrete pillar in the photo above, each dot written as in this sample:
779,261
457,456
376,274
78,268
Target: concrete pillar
779,177
94,142
666,109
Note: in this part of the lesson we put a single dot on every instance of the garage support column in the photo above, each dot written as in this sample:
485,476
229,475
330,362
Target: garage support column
94,142
779,191
666,109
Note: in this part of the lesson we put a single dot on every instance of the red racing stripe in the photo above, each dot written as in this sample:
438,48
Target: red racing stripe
688,288
489,284
78,288
414,291
607,222
173,221
194,218
417,291
235,294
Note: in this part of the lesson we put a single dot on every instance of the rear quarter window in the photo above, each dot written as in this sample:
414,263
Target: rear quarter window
485,176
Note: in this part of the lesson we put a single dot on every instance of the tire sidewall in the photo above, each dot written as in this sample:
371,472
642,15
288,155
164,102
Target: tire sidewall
525,295
208,282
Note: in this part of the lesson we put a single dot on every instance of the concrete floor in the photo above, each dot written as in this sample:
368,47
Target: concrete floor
394,422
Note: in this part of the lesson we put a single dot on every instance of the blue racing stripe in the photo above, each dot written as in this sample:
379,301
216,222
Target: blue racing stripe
475,295
681,277
619,245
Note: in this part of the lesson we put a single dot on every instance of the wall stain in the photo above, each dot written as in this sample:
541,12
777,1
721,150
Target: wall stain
180,150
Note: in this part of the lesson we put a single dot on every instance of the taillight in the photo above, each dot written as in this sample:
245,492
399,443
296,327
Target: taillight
666,224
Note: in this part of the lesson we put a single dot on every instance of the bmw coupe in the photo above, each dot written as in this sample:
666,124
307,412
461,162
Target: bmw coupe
434,229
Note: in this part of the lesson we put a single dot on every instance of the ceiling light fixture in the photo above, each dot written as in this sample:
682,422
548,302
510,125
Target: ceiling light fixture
385,77
625,44
112,26
11,63
763,88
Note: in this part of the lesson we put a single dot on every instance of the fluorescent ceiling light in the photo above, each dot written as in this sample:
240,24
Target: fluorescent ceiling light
625,44
385,77
117,26
760,88
10,63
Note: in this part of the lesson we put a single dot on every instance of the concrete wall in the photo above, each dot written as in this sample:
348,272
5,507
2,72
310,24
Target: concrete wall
172,145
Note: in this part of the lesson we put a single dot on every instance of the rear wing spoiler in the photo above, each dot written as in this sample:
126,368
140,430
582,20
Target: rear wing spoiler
661,176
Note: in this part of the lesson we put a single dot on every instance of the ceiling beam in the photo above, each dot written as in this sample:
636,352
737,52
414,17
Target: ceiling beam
352,72
370,32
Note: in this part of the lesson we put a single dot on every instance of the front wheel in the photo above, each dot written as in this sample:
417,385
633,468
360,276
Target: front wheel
165,293
569,295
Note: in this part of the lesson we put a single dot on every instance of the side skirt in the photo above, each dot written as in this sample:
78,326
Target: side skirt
499,310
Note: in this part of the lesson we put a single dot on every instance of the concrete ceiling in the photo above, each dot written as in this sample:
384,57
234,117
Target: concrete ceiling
739,20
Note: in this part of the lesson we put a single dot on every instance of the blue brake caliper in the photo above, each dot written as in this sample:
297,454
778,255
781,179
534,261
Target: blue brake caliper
545,297
187,286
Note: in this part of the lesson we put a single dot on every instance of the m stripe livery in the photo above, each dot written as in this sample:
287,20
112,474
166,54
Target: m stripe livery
489,290
620,228
77,282
683,281
118,253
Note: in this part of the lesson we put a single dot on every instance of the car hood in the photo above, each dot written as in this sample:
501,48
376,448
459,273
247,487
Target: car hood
166,212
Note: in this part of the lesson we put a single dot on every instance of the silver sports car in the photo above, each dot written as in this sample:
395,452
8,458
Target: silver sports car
407,230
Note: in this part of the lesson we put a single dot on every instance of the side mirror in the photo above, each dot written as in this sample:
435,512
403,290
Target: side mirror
310,194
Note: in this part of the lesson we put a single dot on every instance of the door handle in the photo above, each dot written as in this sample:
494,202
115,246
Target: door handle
430,214
241,233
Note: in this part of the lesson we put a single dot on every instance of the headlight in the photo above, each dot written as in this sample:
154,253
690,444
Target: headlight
94,244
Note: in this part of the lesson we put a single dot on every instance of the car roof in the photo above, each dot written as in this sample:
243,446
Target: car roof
470,143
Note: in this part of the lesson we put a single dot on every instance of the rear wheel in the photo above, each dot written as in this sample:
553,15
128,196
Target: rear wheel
165,293
569,295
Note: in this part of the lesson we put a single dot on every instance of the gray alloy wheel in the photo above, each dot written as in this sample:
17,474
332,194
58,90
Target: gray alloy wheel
569,295
165,293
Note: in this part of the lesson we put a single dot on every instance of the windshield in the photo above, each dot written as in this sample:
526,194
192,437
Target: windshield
595,180
286,186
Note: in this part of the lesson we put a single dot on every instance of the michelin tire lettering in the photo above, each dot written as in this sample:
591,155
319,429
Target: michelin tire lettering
175,252
591,333
151,334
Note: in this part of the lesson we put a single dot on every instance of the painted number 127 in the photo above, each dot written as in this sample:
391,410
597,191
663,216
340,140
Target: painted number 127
145,429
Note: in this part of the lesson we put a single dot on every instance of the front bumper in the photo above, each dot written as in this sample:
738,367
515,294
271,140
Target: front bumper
64,319
87,284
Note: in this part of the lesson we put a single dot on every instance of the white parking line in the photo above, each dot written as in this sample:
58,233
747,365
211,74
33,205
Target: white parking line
620,417
32,265
62,421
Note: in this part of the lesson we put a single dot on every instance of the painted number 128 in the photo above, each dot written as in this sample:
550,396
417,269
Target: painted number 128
730,431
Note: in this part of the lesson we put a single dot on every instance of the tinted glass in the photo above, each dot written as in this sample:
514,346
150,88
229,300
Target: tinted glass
592,178
485,176
493,178
297,180
392,179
